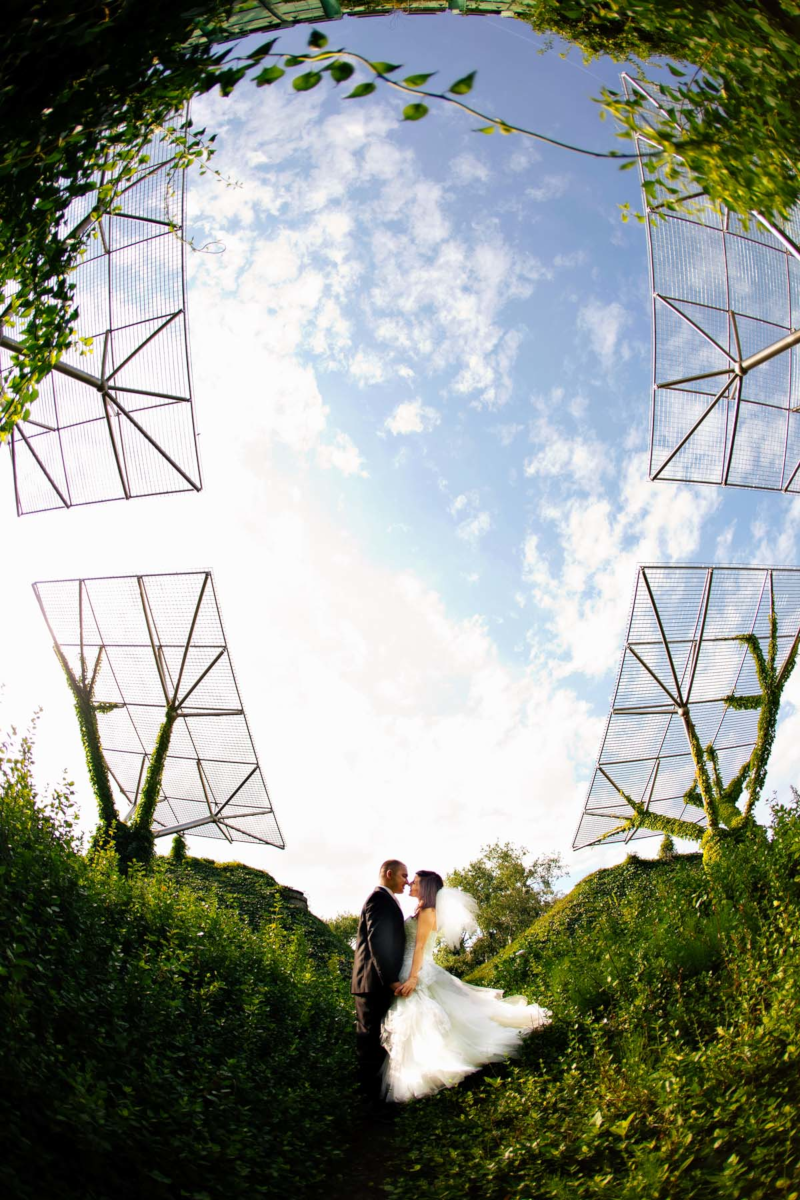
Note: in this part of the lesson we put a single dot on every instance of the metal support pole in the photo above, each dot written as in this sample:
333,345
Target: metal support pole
18,429
189,638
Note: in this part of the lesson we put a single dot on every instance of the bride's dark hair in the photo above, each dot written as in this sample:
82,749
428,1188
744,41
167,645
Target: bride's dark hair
430,884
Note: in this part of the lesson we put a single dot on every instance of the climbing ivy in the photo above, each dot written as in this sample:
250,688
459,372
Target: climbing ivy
132,841
725,819
83,93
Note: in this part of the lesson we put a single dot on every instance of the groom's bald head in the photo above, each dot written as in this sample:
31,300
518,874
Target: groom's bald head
394,874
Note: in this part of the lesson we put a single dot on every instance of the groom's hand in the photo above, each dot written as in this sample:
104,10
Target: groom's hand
396,988
405,989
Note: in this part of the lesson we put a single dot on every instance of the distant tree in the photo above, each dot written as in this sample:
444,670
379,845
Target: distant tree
344,925
512,890
178,851
667,851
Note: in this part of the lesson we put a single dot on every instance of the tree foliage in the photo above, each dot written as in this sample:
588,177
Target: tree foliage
84,89
731,116
512,890
344,925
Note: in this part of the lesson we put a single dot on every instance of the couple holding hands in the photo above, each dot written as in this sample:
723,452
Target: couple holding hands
418,1028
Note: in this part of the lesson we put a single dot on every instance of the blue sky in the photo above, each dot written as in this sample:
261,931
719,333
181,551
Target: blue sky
422,367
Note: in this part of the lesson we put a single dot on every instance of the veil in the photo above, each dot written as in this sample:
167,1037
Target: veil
455,915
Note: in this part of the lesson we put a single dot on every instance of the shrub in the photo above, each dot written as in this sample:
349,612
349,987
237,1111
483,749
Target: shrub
150,1042
264,904
670,1071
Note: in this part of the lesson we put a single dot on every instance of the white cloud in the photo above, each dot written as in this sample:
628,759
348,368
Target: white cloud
523,158
461,502
574,258
505,434
468,169
474,528
574,460
604,324
367,367
602,539
412,416
343,454
550,188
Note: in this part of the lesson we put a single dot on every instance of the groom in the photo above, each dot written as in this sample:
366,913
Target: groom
380,945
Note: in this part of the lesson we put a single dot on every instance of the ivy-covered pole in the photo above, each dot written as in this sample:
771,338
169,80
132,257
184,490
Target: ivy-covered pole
772,683
141,825
86,711
134,841
725,818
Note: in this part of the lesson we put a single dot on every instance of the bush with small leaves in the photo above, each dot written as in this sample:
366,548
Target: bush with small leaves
151,1042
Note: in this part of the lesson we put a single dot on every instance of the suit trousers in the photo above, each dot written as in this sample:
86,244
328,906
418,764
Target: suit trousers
370,1011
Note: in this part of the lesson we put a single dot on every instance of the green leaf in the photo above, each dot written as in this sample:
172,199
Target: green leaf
317,40
262,51
415,112
674,71
340,71
418,80
304,83
621,1128
462,86
229,78
384,68
485,129
363,89
269,75
292,60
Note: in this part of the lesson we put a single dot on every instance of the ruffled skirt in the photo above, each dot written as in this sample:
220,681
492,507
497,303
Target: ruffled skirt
446,1029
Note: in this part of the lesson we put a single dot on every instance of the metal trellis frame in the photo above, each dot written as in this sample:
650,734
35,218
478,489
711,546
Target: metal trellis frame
117,423
682,657
726,335
152,641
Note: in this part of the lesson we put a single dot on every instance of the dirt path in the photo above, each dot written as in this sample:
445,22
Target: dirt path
368,1163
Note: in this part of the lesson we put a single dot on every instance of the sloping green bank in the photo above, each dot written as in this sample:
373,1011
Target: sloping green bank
595,914
670,1071
262,902
152,1043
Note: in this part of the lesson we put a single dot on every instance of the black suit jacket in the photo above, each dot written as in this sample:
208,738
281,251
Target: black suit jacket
380,945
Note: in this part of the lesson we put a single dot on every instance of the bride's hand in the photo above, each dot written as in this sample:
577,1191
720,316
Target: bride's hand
408,987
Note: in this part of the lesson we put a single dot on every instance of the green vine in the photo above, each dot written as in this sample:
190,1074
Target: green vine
141,825
726,821
86,711
132,842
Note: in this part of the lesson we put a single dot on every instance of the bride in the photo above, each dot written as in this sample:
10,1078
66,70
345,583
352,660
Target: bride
439,1029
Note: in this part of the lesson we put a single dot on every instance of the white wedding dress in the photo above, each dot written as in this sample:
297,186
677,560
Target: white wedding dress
446,1029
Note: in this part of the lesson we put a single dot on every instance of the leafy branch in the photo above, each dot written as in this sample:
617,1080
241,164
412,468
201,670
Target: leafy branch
339,63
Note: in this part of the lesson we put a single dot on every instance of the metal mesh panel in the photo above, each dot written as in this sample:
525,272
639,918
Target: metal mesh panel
154,640
682,649
726,297
253,16
118,422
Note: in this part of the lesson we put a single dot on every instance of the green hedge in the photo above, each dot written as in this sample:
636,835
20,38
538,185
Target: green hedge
672,1068
151,1043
